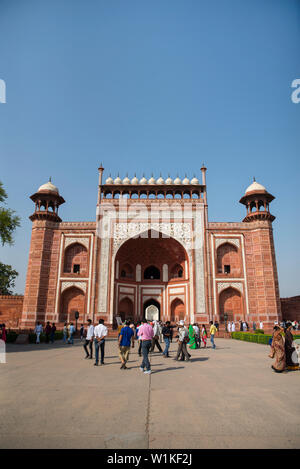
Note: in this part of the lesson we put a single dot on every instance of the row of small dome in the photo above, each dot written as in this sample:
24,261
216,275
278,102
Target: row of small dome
152,180
49,187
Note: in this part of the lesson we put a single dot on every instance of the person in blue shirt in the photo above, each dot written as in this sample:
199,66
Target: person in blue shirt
126,338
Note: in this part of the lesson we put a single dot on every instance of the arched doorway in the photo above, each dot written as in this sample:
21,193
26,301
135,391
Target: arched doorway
152,310
76,259
231,303
72,300
144,266
177,310
126,309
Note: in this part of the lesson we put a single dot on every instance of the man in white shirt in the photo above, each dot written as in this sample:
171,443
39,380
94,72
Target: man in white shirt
89,340
261,326
100,332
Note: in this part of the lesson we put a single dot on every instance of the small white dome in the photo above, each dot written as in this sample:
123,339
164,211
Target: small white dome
255,186
134,180
194,180
177,180
126,180
143,180
186,181
152,180
48,187
109,180
118,180
169,180
160,180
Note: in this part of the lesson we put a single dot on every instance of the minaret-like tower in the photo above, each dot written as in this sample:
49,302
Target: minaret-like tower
39,294
257,200
47,200
262,277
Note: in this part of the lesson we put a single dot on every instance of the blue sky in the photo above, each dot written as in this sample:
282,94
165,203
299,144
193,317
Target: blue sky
148,87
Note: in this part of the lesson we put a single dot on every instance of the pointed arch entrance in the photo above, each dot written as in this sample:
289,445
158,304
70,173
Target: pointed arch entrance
72,300
152,310
177,310
231,303
152,257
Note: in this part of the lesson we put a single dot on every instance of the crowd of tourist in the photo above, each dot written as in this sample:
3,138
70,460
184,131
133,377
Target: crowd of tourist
152,335
149,335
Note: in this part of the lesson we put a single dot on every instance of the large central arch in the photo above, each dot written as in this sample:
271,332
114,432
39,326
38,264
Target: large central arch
151,266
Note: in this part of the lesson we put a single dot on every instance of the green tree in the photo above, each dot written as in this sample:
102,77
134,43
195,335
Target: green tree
8,223
7,279
8,220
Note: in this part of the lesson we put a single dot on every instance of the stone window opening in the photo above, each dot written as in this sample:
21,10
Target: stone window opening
152,273
76,269
226,269
177,271
126,271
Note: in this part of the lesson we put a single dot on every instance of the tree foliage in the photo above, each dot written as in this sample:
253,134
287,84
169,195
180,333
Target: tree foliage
8,223
7,279
8,220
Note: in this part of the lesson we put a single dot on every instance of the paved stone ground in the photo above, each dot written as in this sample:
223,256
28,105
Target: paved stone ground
226,398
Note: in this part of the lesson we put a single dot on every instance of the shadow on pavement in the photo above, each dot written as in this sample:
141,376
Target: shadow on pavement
171,368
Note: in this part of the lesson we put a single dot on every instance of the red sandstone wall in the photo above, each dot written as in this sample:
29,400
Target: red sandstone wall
263,290
290,308
11,310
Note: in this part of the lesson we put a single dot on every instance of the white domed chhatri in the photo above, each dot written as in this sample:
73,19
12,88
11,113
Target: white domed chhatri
109,180
126,180
169,180
255,186
48,187
134,180
186,181
160,180
194,180
143,180
152,180
177,180
118,180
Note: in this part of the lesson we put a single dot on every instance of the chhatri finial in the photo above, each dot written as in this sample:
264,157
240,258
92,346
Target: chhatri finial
50,179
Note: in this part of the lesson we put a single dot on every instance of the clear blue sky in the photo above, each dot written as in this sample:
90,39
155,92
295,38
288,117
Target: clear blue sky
152,86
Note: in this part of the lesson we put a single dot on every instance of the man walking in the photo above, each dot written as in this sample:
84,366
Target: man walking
100,332
38,330
89,340
47,332
52,335
71,332
126,337
155,338
212,331
146,335
197,335
166,332
183,337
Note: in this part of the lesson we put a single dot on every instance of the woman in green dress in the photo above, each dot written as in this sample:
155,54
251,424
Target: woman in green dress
192,342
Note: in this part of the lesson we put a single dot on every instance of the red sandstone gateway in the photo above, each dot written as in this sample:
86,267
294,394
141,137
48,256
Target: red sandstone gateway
153,252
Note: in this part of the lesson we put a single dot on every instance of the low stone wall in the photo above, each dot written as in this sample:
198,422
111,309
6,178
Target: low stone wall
11,310
290,308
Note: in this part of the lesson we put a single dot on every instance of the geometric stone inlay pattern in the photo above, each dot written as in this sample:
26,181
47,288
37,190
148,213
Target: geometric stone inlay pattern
237,285
81,285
